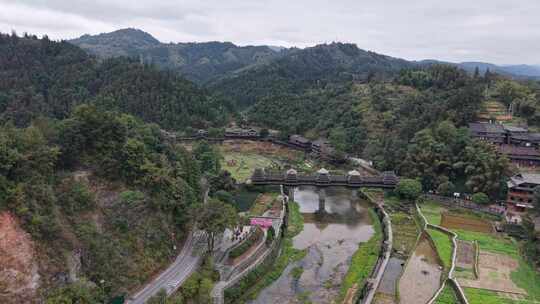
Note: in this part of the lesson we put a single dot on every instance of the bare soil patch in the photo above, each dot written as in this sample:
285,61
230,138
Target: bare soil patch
19,277
465,254
494,274
258,147
452,221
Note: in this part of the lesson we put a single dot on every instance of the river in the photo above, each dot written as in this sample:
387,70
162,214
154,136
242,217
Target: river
330,238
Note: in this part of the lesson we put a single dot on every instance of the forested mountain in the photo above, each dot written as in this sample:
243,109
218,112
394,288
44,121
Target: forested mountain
383,121
199,62
300,70
43,77
104,198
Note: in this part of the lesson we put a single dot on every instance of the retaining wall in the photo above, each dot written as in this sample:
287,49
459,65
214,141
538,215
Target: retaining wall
268,256
457,287
366,295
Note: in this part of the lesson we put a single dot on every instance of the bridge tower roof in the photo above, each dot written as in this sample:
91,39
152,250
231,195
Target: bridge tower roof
323,171
292,172
353,173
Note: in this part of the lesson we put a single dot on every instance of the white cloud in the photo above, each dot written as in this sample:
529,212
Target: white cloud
496,31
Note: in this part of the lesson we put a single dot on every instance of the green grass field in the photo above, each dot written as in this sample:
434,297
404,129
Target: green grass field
524,277
444,247
432,211
490,242
483,296
245,164
447,296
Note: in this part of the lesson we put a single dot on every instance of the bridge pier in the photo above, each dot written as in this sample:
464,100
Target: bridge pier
322,199
354,194
291,193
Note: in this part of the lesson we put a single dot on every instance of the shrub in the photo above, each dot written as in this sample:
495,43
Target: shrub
480,198
270,235
243,247
409,189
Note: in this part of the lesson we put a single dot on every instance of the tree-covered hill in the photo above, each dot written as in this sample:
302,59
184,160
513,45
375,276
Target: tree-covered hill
199,62
300,70
101,190
410,124
43,77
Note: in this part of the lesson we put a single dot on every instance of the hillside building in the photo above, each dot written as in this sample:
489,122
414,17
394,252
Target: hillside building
521,156
520,191
493,133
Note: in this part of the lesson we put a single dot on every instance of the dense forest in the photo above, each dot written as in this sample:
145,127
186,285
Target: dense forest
40,77
105,185
319,67
410,124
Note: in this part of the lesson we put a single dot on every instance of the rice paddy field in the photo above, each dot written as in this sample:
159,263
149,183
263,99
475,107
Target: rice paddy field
504,275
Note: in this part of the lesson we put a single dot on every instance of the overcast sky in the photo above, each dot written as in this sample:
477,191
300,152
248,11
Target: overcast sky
497,31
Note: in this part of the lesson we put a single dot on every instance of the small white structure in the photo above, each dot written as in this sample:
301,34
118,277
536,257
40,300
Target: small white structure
323,171
292,172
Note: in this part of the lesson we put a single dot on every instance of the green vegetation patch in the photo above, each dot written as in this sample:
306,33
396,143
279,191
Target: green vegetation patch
490,242
527,278
444,247
483,296
432,212
263,203
242,165
447,296
253,239
364,259
404,232
297,272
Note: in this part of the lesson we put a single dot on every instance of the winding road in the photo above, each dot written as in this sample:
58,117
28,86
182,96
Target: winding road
171,278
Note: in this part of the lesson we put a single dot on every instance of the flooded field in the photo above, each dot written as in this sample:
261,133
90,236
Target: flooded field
330,238
422,275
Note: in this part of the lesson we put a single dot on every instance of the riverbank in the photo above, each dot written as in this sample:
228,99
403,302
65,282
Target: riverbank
362,262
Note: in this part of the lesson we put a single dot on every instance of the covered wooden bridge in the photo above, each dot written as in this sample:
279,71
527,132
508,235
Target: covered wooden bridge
323,178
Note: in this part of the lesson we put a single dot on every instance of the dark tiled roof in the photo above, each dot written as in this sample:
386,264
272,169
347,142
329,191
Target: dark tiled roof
513,129
529,178
517,150
532,137
481,127
299,139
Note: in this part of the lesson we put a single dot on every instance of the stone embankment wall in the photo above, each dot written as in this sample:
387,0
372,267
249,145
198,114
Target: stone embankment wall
366,295
260,257
451,280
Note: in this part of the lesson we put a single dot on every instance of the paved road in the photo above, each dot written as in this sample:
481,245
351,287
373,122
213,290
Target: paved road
170,279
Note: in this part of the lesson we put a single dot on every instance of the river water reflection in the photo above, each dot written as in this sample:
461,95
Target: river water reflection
330,238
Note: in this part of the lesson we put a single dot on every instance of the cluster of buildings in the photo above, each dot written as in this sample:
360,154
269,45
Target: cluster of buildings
319,148
522,149
517,143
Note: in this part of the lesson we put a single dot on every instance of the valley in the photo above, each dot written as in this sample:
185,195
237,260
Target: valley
136,171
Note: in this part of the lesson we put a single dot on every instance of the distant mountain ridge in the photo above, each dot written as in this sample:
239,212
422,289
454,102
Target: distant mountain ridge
207,62
516,71
315,67
199,62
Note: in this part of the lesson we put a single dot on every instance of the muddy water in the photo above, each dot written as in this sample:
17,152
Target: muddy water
330,238
422,275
